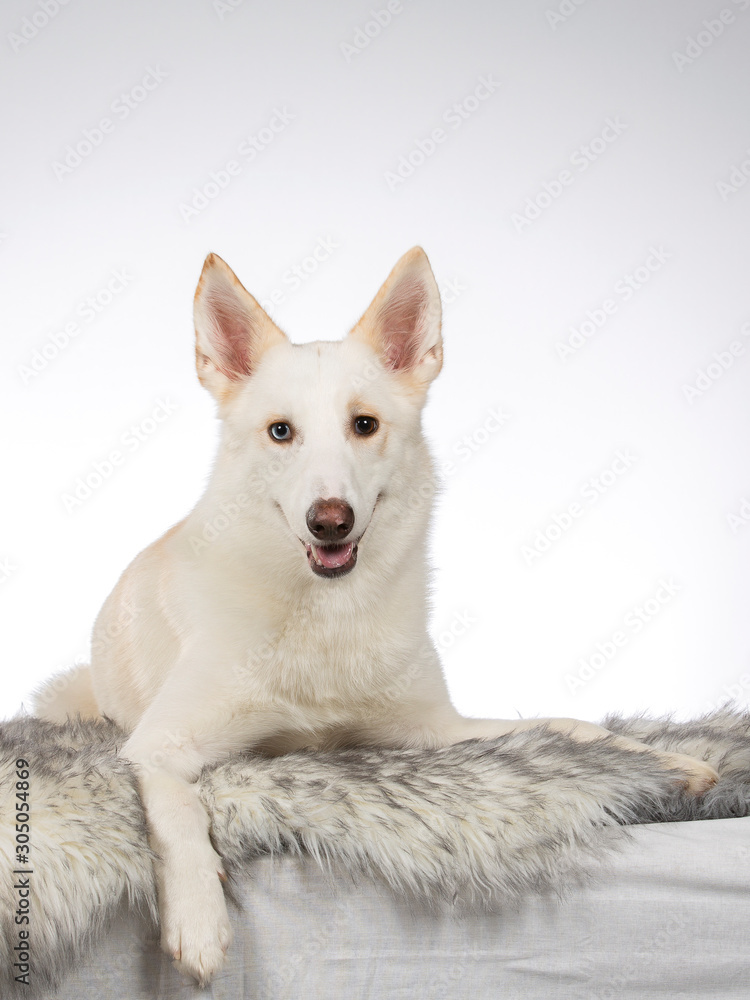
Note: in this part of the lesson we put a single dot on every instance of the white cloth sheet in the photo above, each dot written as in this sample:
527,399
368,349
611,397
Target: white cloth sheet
668,917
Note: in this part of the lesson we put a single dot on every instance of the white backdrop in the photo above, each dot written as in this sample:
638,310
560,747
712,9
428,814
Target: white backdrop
578,174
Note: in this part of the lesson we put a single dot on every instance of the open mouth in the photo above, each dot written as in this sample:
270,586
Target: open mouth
332,560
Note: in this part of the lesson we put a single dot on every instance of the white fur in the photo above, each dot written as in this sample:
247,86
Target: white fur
220,636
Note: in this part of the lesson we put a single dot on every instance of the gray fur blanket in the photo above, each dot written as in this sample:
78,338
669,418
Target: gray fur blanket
480,822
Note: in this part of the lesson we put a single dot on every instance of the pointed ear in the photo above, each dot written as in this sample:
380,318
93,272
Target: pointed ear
402,323
231,330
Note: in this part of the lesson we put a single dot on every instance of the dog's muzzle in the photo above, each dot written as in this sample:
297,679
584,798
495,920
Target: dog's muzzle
330,521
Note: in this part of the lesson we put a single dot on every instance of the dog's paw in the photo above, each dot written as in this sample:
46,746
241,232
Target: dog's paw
697,775
202,958
195,928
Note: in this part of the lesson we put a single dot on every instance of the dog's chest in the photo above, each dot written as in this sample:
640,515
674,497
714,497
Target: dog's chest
340,658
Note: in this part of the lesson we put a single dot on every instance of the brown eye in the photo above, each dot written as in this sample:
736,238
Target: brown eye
365,425
280,431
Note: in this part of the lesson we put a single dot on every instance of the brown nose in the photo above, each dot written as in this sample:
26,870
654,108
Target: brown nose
330,520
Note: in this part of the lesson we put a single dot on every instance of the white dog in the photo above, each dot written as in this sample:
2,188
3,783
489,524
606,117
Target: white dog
289,608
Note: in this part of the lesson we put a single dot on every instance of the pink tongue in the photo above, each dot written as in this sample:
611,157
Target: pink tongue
335,555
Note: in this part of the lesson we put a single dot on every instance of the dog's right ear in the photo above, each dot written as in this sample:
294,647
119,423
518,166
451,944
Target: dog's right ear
231,330
402,323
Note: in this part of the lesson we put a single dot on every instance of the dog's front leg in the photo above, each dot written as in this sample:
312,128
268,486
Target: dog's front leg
169,747
195,928
447,726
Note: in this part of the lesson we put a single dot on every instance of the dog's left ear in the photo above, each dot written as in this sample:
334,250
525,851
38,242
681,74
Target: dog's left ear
403,321
232,330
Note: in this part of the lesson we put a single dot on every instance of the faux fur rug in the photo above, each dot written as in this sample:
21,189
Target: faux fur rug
481,821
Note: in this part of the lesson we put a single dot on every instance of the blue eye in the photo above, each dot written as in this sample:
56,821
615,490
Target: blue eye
365,425
280,431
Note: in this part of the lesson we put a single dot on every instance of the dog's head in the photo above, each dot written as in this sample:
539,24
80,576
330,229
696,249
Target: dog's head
320,430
